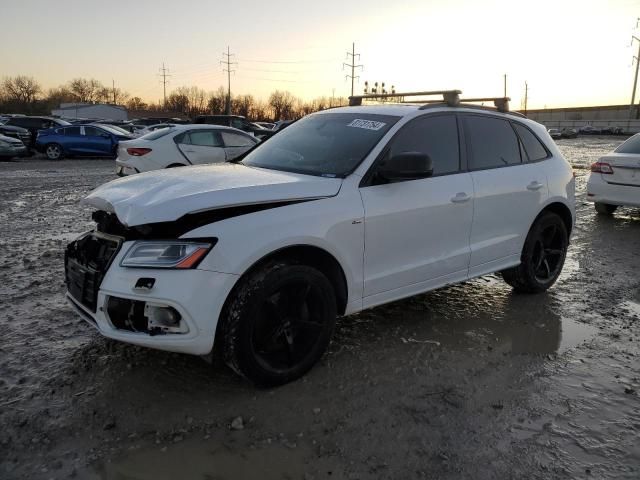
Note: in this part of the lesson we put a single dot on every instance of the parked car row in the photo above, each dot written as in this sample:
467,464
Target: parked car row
556,133
58,137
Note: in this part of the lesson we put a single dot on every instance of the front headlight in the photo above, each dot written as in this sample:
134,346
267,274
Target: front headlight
166,254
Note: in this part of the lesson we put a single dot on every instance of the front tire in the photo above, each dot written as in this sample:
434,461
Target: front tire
542,256
278,322
605,208
54,151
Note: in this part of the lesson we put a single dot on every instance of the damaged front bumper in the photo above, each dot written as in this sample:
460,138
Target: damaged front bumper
173,310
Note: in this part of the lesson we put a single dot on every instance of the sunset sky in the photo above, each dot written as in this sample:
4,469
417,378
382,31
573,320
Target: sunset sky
570,52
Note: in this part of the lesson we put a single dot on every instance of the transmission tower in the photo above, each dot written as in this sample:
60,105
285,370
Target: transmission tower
352,65
228,63
164,73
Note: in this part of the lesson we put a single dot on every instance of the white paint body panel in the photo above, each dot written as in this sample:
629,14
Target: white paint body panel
167,195
391,241
622,187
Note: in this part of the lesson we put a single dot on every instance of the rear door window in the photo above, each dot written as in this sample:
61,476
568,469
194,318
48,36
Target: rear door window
532,146
205,138
492,141
72,131
234,140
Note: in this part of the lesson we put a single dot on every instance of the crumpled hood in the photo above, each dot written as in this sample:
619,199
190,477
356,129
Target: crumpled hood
166,195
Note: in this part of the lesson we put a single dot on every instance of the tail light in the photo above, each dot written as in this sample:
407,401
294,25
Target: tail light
138,152
602,167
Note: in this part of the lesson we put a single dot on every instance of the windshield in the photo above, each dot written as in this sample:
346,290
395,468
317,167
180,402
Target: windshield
326,144
113,129
632,145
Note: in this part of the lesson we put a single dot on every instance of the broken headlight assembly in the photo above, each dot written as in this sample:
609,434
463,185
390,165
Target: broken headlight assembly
178,254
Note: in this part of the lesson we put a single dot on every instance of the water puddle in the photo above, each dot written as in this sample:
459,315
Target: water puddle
469,316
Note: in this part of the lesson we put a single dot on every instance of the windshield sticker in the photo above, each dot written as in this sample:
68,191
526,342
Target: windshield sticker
366,124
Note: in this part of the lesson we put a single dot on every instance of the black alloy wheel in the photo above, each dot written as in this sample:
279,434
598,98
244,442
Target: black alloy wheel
278,322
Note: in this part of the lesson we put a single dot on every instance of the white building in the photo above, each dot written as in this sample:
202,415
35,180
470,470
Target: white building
100,111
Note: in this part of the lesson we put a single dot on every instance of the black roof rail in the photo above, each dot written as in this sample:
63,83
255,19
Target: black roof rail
450,97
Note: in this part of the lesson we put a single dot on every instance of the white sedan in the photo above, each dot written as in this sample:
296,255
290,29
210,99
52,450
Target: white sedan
615,178
182,145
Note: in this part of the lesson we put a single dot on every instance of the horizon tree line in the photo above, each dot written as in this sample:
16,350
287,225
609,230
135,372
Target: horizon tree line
23,94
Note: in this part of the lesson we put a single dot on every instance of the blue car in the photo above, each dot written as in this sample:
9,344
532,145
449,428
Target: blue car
86,140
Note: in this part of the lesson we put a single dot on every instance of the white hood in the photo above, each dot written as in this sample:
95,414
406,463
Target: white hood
166,195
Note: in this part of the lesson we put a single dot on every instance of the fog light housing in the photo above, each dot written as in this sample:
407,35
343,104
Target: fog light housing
164,318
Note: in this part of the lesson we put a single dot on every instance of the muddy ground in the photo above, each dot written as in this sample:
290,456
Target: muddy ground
468,382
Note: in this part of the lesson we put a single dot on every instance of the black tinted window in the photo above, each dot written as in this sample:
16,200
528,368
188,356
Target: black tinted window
72,131
532,146
493,142
436,136
20,122
632,145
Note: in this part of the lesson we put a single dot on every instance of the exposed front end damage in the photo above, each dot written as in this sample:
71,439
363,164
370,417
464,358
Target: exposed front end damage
168,309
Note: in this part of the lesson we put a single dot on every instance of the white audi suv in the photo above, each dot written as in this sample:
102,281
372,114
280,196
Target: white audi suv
344,210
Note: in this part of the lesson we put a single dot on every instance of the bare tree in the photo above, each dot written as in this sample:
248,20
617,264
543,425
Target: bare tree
216,102
282,104
136,103
21,90
87,91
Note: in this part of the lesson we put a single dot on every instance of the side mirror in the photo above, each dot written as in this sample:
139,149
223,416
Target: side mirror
406,166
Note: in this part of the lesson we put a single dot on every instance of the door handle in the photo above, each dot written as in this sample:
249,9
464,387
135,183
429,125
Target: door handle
535,185
460,197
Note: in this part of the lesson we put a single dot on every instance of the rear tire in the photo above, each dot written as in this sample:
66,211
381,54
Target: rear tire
542,256
605,208
277,322
54,151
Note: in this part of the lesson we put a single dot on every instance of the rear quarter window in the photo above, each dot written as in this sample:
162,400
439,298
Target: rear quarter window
534,149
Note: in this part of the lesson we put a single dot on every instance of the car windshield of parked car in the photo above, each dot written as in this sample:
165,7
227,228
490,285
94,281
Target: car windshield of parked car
632,145
326,144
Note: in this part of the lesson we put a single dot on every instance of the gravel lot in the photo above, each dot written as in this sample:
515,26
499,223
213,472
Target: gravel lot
468,382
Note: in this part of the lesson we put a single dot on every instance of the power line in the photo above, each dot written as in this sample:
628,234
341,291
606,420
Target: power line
353,65
228,64
274,79
164,73
328,60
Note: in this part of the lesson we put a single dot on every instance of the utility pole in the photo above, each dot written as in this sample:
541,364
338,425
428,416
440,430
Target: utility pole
526,96
636,58
505,85
164,73
353,65
113,84
228,63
